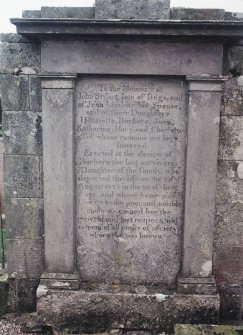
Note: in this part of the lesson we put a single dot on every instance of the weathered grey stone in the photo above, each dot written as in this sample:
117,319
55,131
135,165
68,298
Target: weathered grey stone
179,13
31,14
132,10
129,311
23,176
14,92
233,16
136,57
29,223
228,238
3,291
231,138
235,60
15,56
1,175
229,218
132,224
68,12
13,38
58,178
35,93
230,300
233,97
203,285
22,295
25,258
22,133
201,171
207,329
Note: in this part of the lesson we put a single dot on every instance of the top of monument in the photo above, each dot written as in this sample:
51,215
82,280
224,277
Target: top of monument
102,11
125,17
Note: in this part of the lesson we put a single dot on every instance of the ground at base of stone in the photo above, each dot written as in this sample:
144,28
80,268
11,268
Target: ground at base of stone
10,328
11,324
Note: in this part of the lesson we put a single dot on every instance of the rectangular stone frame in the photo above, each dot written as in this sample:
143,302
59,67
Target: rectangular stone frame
201,167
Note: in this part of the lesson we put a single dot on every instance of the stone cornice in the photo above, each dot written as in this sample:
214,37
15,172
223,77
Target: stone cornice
45,28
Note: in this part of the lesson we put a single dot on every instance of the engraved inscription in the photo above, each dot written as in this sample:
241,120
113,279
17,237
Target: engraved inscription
130,155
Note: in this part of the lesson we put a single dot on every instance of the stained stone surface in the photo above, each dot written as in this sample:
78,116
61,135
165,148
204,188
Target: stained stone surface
16,56
22,133
96,312
23,176
207,329
233,97
14,91
68,12
29,223
136,10
179,13
130,148
231,138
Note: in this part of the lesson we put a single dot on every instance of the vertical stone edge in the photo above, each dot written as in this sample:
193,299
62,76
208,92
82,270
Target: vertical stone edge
58,156
200,186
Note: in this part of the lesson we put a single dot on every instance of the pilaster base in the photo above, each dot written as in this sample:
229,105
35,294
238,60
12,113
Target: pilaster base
60,281
197,285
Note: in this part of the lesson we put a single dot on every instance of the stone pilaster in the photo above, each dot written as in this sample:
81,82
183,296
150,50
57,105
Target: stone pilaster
57,97
201,170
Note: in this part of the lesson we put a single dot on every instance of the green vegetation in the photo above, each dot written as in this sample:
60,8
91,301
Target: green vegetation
3,248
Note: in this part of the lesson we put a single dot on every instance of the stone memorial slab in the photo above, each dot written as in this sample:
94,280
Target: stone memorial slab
130,157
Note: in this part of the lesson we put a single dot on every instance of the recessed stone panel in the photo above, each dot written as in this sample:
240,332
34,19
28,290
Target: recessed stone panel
130,147
132,57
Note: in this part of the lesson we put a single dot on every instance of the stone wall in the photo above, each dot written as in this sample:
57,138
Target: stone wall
1,176
21,105
228,266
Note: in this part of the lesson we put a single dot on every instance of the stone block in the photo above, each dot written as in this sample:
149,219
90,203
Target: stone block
233,97
233,16
25,258
3,291
97,312
1,176
14,92
29,223
207,329
230,301
22,133
22,295
229,199
68,12
15,57
235,60
179,13
35,93
31,14
131,57
23,176
228,251
132,10
13,38
231,138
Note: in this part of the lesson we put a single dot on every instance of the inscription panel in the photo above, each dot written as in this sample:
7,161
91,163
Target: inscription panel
130,157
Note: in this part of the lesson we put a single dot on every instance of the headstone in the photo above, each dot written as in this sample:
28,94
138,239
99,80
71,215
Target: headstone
129,95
